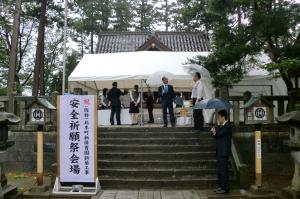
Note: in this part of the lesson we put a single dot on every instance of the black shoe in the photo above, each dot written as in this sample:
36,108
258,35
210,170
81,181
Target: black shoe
150,122
222,191
217,189
165,125
173,125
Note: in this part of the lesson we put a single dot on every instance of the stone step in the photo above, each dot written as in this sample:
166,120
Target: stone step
157,141
136,158
155,148
156,172
146,129
205,182
157,155
171,164
153,135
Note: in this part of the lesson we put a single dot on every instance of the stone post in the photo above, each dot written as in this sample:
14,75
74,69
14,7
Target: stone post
296,178
11,103
22,112
236,112
53,99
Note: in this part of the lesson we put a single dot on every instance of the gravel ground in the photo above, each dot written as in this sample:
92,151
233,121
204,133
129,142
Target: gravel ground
25,181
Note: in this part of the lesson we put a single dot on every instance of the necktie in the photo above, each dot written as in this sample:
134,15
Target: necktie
166,88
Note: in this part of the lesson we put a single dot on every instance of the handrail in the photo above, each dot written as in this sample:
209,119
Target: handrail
241,168
236,156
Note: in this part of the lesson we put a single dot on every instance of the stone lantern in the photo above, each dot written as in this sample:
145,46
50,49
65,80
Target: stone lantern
258,110
41,112
293,118
6,191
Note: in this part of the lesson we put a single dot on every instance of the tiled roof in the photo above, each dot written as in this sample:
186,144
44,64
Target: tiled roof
112,42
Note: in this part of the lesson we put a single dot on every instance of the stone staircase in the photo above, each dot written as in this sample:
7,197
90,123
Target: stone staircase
144,157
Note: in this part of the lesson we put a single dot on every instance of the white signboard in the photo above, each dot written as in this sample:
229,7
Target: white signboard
37,115
77,138
258,148
259,113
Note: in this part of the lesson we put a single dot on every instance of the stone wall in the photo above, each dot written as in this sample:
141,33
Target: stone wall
22,156
276,158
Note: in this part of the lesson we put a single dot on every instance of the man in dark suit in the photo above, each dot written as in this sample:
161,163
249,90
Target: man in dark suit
223,134
115,103
167,95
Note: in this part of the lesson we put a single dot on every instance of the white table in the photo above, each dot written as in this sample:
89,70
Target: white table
104,117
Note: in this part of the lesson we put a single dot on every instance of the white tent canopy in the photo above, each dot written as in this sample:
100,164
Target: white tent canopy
97,71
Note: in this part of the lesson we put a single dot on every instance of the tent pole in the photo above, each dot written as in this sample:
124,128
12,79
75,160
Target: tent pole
141,101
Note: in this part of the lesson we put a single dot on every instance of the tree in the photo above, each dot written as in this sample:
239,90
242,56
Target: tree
167,13
95,17
38,78
123,15
242,30
27,40
192,16
53,62
144,14
14,48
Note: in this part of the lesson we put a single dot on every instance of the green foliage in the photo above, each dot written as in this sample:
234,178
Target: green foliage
286,66
3,91
190,15
167,14
238,30
144,15
123,15
243,29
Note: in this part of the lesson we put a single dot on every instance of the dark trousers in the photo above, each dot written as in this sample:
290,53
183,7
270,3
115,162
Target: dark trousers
198,119
150,112
168,107
117,111
223,173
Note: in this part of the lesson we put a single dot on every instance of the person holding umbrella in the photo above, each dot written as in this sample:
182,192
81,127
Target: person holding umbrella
197,96
223,134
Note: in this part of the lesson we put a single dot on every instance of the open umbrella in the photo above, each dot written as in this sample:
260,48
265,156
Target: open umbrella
192,68
214,103
155,79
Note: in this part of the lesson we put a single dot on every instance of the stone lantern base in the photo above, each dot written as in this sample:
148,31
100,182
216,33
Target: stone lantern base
293,191
6,191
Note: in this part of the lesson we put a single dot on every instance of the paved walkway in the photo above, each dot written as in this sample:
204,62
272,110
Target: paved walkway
146,194
165,194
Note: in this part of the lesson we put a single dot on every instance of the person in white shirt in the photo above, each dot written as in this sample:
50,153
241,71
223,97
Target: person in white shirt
104,102
197,96
135,104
